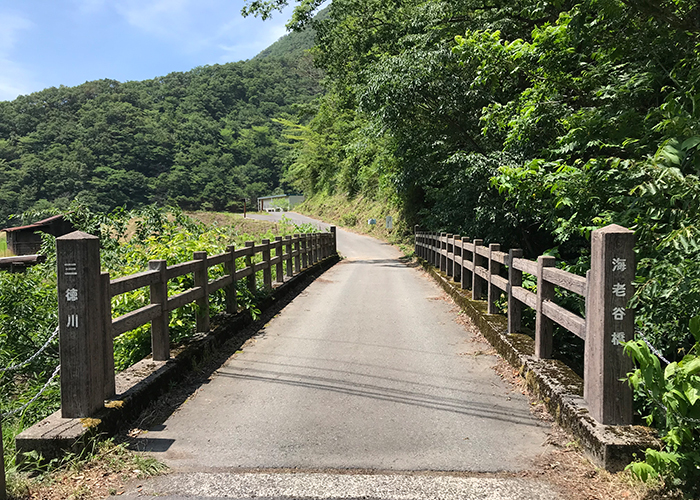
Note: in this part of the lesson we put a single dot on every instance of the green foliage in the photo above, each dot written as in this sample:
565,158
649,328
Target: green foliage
200,139
128,239
673,395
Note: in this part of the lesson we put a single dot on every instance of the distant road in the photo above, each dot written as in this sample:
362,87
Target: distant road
293,216
366,371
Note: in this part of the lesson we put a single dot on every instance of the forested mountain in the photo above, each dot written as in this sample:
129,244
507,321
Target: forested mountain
200,139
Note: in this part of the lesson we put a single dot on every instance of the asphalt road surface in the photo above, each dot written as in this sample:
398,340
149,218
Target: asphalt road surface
363,378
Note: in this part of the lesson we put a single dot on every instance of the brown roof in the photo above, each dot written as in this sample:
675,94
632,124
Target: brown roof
36,225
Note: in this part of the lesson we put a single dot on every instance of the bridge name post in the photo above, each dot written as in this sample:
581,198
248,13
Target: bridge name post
81,325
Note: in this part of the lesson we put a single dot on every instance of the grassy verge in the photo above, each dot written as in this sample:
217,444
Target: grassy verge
99,472
4,252
354,215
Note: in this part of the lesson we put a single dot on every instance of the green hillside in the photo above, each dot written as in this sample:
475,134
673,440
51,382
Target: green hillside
290,44
199,139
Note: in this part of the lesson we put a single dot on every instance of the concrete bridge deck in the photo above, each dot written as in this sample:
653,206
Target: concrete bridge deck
365,372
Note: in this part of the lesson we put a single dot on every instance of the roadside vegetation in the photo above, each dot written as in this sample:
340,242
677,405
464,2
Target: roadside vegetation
4,252
129,239
529,123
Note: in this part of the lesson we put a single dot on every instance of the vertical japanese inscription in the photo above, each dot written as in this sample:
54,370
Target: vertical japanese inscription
619,300
609,323
81,325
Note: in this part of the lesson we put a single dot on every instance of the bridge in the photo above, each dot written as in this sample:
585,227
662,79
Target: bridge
367,370
367,385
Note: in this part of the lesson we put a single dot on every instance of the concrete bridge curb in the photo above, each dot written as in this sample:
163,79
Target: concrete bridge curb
142,383
611,447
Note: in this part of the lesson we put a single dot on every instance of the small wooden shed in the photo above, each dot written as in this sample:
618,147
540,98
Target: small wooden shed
26,240
279,203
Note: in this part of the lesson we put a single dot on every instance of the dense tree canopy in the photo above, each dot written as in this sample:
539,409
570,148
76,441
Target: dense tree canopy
201,139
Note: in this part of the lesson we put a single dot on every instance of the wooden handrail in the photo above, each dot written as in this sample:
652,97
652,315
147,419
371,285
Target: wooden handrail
472,264
85,302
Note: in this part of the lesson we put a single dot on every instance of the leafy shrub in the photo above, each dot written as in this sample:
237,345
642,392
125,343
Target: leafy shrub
673,396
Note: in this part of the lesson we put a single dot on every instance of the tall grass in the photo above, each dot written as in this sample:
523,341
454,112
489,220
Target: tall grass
4,252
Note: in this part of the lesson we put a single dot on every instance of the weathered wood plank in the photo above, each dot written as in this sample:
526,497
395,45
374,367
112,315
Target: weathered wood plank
525,296
572,322
242,252
526,266
182,269
569,281
500,257
184,298
500,282
134,319
215,260
482,272
220,283
126,284
482,250
242,273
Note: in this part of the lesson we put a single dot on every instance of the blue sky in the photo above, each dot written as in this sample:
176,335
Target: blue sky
47,43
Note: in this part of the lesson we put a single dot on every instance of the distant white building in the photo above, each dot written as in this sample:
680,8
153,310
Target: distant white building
279,203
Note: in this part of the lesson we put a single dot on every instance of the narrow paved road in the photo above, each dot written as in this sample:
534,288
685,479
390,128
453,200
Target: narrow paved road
365,371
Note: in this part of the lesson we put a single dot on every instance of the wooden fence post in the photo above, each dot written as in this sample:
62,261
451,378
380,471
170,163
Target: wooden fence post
515,278
494,268
477,259
230,291
297,250
609,323
106,314
279,267
544,327
316,239
466,277
249,263
304,251
449,264
201,279
457,258
288,256
416,242
334,243
443,252
267,269
81,325
160,335
314,248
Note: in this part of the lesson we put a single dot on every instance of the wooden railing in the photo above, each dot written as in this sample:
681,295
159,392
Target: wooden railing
606,289
87,328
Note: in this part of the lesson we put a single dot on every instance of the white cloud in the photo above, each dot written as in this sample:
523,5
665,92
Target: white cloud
163,18
89,6
14,78
11,24
212,27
